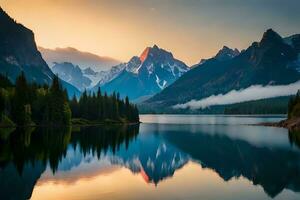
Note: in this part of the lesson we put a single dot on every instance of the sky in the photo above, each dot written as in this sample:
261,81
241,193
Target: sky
190,29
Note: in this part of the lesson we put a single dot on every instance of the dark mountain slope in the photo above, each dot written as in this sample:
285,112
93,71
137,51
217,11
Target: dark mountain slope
264,62
18,52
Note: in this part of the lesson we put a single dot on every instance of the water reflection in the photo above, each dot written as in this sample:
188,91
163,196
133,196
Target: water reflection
274,168
25,155
39,160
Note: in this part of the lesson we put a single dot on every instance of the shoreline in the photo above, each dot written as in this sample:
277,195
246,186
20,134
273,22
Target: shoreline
75,125
291,124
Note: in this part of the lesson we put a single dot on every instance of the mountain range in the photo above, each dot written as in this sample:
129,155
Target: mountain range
272,61
19,53
142,76
71,74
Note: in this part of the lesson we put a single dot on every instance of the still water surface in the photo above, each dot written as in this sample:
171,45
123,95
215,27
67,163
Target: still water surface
166,157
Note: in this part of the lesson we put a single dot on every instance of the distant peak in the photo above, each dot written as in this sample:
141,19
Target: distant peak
270,31
225,48
270,36
68,49
227,53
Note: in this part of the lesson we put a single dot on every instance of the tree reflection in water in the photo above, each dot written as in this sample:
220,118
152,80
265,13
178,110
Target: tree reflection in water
25,153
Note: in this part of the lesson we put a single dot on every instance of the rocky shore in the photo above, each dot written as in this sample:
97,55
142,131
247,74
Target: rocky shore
291,124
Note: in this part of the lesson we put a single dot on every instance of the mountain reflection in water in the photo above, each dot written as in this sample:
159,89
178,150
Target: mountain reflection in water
268,157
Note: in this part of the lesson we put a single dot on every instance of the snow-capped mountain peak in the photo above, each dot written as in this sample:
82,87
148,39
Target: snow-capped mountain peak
153,57
151,72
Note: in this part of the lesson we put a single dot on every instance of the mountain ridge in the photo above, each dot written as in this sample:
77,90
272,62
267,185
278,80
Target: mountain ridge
262,63
225,53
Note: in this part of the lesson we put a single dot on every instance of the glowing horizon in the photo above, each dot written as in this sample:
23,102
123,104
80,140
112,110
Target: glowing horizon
190,29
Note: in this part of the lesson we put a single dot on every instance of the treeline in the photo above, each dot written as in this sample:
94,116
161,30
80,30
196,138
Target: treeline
31,104
95,106
294,106
277,105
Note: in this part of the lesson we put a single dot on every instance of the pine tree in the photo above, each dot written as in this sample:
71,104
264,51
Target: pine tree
128,109
21,105
74,107
2,102
99,105
58,108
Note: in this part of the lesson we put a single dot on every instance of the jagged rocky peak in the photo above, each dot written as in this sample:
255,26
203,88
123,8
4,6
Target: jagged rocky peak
227,53
270,37
156,52
273,47
223,54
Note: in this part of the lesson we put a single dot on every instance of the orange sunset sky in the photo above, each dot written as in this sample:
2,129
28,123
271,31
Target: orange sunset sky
191,29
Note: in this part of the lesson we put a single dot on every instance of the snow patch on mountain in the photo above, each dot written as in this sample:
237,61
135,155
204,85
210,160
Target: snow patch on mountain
102,77
158,81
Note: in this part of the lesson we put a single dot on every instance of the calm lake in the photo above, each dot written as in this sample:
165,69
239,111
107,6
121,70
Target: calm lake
186,157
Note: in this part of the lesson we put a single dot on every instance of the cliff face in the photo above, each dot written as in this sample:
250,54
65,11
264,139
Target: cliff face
19,53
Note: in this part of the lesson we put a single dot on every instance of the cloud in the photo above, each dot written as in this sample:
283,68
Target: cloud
254,92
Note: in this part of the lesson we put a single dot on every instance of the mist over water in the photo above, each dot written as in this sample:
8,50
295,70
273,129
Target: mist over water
254,92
